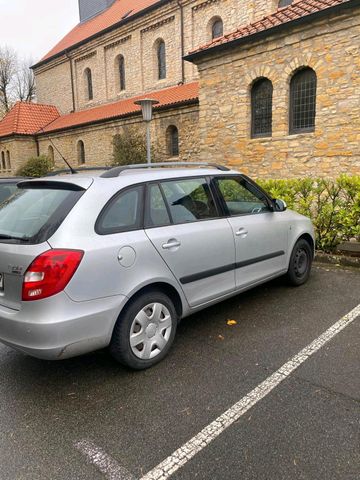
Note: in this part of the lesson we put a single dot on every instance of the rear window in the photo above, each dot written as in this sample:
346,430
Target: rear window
32,214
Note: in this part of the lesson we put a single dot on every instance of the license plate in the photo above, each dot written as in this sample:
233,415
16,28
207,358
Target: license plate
1,282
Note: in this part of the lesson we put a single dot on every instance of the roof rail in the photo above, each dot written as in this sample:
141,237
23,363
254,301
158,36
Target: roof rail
116,171
78,170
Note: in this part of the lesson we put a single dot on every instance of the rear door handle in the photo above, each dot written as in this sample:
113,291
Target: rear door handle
242,232
172,243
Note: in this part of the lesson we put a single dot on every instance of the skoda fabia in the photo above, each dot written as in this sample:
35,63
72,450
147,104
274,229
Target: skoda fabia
117,259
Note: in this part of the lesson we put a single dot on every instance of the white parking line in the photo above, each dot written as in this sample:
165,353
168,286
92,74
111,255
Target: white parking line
185,453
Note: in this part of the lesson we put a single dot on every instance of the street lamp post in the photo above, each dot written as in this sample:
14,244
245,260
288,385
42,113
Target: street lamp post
147,109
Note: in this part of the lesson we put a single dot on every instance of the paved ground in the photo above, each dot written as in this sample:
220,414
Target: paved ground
306,428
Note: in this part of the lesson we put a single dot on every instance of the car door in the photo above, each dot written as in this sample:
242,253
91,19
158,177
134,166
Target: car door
260,234
183,223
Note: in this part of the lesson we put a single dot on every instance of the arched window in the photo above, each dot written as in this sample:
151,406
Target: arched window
120,63
217,29
8,162
81,152
172,140
3,164
51,153
285,3
303,101
161,59
89,84
261,108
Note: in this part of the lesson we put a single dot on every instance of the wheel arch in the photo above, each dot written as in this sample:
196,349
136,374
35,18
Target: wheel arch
309,239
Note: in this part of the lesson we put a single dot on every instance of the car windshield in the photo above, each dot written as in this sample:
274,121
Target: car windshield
32,215
6,190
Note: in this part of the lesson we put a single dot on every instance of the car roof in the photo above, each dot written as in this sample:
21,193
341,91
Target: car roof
133,176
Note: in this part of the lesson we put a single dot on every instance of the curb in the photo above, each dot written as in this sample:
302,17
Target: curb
342,260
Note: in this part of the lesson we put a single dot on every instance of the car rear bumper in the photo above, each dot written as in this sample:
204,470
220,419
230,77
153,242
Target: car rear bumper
57,328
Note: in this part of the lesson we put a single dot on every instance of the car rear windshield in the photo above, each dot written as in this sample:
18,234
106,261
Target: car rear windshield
35,211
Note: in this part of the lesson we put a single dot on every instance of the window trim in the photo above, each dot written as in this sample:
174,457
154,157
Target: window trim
107,206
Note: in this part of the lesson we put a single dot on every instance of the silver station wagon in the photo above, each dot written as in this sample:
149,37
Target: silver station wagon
116,259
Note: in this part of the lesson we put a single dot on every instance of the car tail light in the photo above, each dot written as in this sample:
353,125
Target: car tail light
49,273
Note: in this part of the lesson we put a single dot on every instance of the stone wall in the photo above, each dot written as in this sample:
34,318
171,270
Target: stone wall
98,139
20,149
332,49
136,41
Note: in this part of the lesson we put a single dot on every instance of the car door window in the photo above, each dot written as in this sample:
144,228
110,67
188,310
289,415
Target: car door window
238,198
189,200
156,213
123,212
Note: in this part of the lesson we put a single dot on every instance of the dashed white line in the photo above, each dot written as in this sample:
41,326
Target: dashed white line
106,464
185,453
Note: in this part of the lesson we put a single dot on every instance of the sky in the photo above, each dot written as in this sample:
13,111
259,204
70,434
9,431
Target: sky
33,27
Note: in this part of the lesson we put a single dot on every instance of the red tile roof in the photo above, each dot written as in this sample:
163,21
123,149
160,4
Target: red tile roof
27,118
298,9
168,97
104,20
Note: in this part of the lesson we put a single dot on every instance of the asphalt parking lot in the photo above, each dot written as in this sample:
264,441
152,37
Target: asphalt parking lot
88,418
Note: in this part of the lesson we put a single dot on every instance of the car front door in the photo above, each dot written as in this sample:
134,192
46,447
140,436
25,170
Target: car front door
260,234
183,224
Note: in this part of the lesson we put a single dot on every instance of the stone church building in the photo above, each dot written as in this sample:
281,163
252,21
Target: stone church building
271,87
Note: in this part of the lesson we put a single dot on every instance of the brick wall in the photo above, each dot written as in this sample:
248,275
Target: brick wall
20,149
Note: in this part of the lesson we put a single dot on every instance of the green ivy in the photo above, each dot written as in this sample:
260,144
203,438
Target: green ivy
332,205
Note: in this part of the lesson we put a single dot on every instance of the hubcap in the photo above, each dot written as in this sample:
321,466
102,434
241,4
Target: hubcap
150,331
301,262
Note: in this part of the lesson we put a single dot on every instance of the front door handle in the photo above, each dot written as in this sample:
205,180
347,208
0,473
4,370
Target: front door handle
242,232
172,243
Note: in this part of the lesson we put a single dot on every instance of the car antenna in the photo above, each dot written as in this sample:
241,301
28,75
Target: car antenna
72,170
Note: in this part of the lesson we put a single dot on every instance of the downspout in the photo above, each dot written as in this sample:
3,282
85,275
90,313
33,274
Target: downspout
182,40
72,79
37,146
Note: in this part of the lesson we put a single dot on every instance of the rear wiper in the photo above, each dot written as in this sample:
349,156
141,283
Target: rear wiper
10,237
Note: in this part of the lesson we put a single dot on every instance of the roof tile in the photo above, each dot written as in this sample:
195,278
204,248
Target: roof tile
27,118
166,97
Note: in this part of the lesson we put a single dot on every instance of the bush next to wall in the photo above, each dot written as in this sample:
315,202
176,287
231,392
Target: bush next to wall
36,167
333,206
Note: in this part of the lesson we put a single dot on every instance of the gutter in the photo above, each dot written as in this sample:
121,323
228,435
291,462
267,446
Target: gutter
116,25
193,57
182,41
72,79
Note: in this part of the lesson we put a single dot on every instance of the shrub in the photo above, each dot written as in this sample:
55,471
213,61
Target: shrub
129,148
333,205
36,167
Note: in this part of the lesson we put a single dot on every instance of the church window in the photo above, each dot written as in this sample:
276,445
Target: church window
89,84
303,101
172,140
261,108
81,152
285,3
8,162
217,29
121,72
161,59
51,153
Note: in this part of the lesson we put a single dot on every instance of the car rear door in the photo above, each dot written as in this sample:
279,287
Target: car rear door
183,223
260,234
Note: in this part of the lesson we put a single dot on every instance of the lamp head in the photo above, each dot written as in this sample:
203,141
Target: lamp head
147,107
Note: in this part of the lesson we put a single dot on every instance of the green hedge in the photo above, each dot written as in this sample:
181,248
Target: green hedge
333,205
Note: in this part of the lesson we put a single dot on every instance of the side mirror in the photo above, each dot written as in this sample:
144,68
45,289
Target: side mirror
280,205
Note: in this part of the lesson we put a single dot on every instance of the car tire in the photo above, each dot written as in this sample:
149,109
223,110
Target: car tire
144,331
300,263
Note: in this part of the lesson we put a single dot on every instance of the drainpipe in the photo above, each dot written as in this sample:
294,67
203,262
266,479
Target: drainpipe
37,146
182,40
72,79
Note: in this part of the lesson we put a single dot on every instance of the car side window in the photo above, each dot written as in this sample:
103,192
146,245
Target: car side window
156,212
238,198
122,213
189,200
